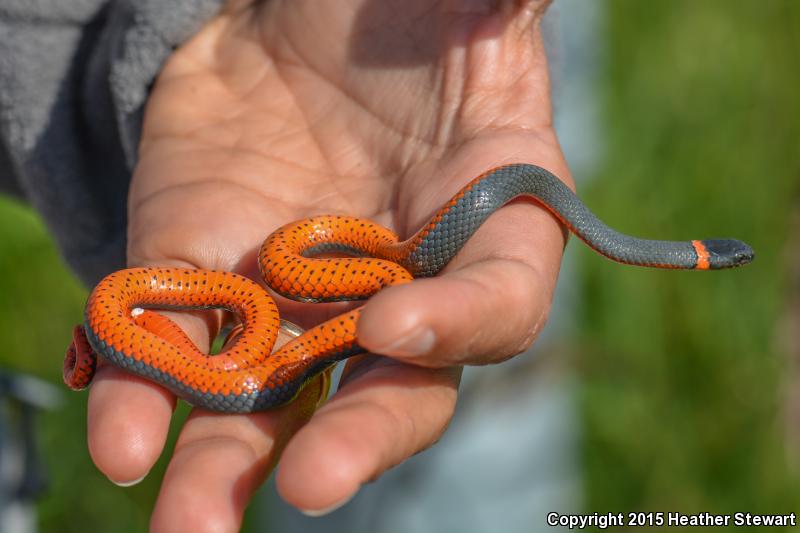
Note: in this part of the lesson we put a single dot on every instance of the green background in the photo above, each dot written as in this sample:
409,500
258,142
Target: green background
684,375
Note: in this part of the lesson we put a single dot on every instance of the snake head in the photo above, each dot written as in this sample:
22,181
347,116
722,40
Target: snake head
727,253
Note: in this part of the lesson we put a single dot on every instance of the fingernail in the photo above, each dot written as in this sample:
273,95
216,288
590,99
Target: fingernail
129,483
316,513
418,342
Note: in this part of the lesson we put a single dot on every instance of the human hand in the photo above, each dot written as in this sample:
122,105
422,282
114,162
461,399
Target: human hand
383,109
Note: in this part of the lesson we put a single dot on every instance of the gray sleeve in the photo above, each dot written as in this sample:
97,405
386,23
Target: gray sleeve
74,78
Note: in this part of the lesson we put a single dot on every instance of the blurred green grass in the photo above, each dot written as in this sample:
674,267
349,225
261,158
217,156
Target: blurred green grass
683,379
40,302
682,376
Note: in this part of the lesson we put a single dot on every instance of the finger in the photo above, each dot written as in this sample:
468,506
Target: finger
383,413
490,304
128,420
128,416
220,461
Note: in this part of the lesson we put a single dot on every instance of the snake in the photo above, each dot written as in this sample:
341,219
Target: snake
323,259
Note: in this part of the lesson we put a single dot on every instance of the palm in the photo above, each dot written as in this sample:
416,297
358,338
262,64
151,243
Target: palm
276,113
303,133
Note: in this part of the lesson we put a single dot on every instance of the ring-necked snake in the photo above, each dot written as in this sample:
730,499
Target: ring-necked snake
244,377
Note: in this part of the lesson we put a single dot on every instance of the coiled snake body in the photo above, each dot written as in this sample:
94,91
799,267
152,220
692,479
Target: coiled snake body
244,377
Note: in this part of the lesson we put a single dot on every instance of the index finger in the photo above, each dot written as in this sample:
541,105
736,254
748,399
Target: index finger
488,306
491,301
